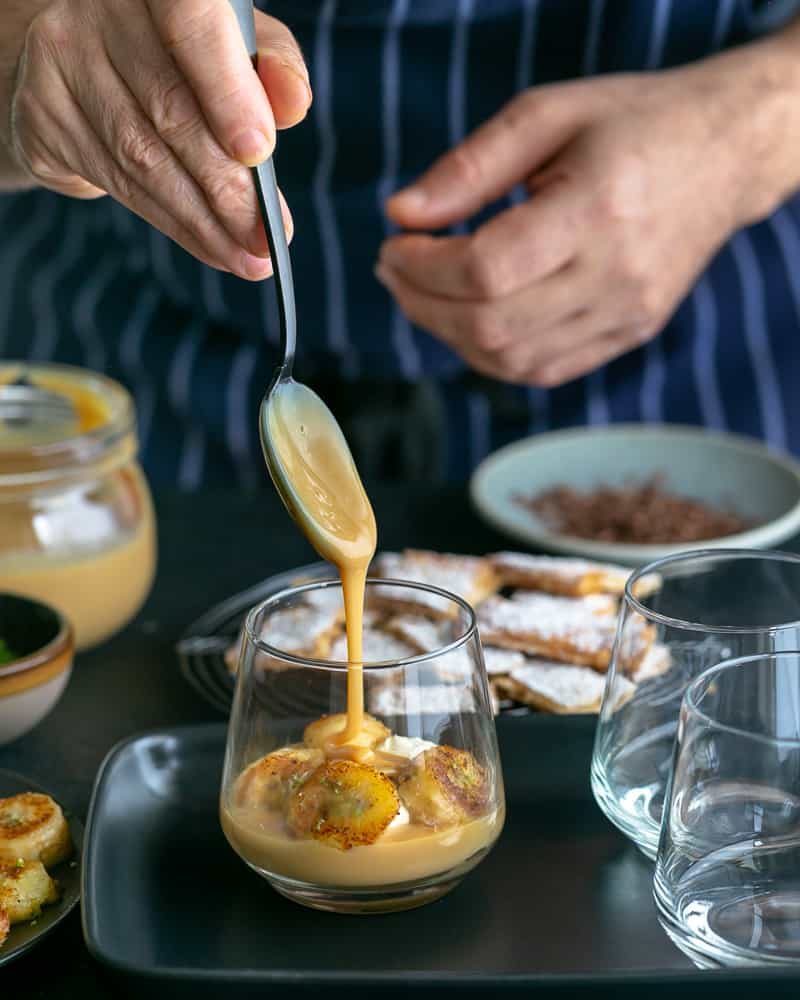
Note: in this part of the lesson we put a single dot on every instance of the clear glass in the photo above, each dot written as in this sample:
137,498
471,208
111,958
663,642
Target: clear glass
441,821
710,606
727,882
77,528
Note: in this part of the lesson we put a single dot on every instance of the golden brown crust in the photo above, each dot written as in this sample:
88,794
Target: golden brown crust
343,804
268,782
33,827
447,786
25,887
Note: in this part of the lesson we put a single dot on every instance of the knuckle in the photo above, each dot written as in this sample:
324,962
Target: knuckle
484,271
172,109
621,195
467,166
488,333
47,33
138,152
229,188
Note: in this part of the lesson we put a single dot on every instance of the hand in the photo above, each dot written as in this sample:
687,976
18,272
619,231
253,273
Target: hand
634,183
155,102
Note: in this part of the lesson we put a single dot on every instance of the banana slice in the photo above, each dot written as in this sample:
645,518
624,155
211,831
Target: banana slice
5,926
447,786
268,782
320,732
25,887
343,804
32,827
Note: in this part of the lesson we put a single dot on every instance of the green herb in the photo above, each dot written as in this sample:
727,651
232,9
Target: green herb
6,655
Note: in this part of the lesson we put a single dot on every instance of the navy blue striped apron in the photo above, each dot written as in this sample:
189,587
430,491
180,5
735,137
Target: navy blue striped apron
396,83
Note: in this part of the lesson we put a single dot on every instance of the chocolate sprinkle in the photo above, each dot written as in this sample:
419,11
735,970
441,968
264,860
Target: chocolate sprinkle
645,514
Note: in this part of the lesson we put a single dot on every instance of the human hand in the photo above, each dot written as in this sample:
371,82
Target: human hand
635,181
155,102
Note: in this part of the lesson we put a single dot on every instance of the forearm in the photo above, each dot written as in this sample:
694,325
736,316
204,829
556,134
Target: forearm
753,98
15,18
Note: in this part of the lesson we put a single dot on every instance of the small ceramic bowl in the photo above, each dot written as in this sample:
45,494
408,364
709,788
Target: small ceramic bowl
41,642
724,470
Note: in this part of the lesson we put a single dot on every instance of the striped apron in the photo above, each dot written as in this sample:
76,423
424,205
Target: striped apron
396,83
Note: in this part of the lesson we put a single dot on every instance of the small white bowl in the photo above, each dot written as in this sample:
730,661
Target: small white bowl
31,684
728,471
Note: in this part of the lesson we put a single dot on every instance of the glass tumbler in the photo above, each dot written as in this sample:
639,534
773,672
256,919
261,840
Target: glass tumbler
727,882
696,610
414,802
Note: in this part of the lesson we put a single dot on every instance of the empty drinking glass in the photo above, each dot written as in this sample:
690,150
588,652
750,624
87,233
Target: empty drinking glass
680,616
727,882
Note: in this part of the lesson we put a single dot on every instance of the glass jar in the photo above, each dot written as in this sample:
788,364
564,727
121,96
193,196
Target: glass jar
77,528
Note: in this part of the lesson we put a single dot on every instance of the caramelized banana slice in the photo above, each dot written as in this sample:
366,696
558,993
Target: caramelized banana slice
343,804
268,782
447,786
25,887
320,732
32,827
5,926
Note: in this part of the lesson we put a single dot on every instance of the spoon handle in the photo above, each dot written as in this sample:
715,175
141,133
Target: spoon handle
269,203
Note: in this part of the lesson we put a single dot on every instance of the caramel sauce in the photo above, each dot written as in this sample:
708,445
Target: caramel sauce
330,505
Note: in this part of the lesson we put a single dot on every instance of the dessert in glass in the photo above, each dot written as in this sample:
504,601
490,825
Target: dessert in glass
359,805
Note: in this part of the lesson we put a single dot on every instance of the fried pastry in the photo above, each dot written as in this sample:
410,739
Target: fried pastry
566,632
467,576
568,577
561,688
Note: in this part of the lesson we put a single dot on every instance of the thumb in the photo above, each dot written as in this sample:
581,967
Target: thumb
503,152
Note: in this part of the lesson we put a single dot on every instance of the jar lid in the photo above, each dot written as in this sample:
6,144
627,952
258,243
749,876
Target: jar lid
55,420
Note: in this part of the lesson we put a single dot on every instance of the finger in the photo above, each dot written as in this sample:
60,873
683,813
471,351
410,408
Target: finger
588,358
165,96
515,249
494,324
205,41
134,165
282,70
487,164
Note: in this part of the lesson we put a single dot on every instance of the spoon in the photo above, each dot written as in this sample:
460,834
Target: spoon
28,408
306,453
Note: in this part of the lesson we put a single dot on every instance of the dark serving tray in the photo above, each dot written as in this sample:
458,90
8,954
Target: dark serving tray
562,902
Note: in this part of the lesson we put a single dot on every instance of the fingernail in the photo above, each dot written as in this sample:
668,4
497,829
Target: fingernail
412,198
252,147
256,268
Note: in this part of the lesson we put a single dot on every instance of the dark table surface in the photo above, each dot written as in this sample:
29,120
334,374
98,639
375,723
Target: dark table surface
211,545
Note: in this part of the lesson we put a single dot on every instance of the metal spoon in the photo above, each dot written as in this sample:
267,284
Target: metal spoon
28,408
291,414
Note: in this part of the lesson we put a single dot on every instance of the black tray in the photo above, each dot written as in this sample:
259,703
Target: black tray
563,900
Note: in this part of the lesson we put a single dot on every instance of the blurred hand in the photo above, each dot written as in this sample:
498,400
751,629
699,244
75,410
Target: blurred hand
634,183
155,103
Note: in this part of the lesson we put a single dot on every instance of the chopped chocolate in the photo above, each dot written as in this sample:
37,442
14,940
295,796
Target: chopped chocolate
645,514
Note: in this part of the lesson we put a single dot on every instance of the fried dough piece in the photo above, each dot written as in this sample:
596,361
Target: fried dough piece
343,804
25,887
32,827
569,577
469,577
447,786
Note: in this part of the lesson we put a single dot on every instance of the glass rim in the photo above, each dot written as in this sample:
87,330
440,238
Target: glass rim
655,568
707,676
342,665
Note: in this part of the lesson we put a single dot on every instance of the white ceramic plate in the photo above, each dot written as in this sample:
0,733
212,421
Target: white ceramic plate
725,470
